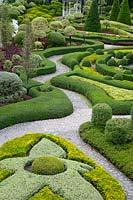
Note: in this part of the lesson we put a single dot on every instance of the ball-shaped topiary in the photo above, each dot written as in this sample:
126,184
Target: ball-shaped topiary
56,39
118,77
123,62
117,130
16,58
91,50
112,62
99,51
19,37
36,61
101,113
86,63
119,55
7,65
111,52
129,56
47,165
73,63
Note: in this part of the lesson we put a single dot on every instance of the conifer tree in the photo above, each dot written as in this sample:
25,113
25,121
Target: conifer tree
124,14
92,22
115,10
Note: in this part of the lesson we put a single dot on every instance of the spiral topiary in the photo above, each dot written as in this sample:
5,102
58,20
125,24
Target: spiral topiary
101,113
117,130
47,165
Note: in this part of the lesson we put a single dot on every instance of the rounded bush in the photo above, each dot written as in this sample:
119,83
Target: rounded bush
47,165
45,88
101,113
123,62
16,58
108,77
119,55
86,63
129,56
38,45
7,65
118,77
112,62
127,72
19,37
117,130
91,50
99,51
111,52
36,61
73,63
56,39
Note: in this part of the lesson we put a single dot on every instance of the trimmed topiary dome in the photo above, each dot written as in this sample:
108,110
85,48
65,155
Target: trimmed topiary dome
47,165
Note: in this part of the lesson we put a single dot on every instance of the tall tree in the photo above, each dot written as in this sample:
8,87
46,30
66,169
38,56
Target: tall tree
115,10
92,22
124,14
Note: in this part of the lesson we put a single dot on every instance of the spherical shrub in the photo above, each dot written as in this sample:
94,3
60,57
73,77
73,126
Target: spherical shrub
47,165
91,50
117,130
99,51
118,77
129,56
73,63
123,62
108,77
16,58
36,61
19,37
45,88
38,45
111,52
101,113
56,39
127,72
112,62
119,55
7,65
86,63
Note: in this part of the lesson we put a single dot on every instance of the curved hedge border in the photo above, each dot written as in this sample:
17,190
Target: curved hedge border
106,184
44,105
93,93
119,155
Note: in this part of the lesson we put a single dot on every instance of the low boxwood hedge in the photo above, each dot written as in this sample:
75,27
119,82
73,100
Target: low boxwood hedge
104,183
43,105
119,155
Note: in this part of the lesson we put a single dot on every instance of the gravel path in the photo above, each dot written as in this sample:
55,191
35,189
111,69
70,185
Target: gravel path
67,128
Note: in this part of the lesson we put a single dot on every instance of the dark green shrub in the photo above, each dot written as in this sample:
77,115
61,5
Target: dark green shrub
86,63
118,77
123,62
45,88
73,63
47,166
7,65
91,50
129,56
36,61
111,52
119,55
16,58
115,10
108,77
112,62
19,37
124,14
117,130
100,51
56,39
127,72
11,89
101,113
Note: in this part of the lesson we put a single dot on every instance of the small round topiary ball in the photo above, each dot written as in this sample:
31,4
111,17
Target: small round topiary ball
47,165
101,113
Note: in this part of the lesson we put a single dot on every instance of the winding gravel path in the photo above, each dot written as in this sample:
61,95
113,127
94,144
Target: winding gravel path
67,128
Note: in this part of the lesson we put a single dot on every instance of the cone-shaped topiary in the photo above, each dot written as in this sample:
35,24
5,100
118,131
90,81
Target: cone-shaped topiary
124,14
92,22
47,165
115,10
101,113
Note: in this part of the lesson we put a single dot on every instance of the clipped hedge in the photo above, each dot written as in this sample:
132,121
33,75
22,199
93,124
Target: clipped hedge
119,155
43,105
104,183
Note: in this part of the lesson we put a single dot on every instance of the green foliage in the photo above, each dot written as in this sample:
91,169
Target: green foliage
38,45
4,173
56,25
47,166
123,62
86,63
112,62
56,39
19,37
16,58
129,56
115,10
36,61
46,194
101,113
124,14
117,130
7,65
11,89
120,155
100,51
45,88
118,77
119,55
92,22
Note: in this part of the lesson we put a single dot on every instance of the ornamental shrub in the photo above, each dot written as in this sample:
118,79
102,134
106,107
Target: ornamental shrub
115,10
117,130
124,14
112,62
101,113
86,63
16,58
19,37
118,77
123,62
47,165
38,45
129,56
45,88
73,63
11,89
91,50
56,39
36,61
108,77
99,51
7,65
119,55
111,52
